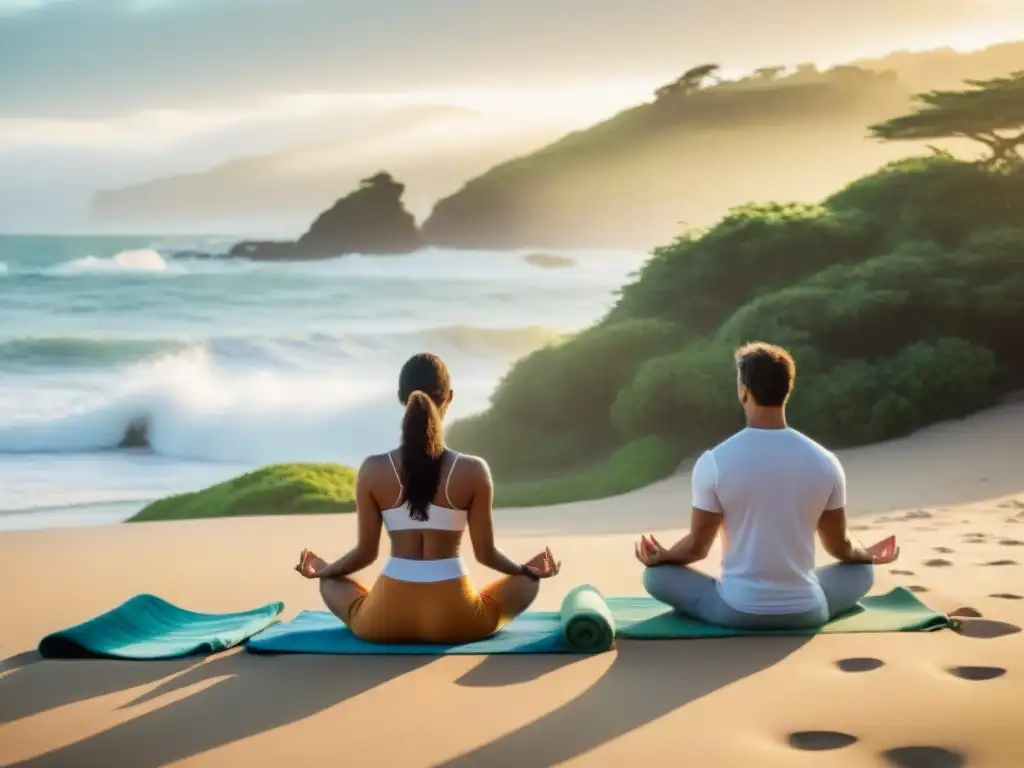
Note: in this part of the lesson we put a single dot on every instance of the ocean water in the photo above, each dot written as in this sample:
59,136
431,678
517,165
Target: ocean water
236,364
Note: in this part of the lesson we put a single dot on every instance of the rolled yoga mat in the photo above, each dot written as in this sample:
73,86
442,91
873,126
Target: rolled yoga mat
586,621
148,627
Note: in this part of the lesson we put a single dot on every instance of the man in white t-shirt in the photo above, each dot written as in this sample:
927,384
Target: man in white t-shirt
772,488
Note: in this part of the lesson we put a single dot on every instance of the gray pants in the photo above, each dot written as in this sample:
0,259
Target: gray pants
692,593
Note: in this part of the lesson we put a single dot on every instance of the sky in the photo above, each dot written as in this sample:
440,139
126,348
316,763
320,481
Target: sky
96,93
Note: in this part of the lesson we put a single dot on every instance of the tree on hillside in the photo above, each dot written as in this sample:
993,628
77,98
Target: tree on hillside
768,73
381,179
690,81
989,111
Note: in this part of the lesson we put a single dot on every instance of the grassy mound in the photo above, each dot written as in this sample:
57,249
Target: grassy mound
281,489
900,297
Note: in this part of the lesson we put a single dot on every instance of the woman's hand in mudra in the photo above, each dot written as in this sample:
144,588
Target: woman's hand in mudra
544,565
310,565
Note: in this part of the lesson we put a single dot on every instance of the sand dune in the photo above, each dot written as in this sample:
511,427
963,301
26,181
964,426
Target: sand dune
954,494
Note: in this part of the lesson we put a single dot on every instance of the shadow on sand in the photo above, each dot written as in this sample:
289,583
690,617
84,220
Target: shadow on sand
648,679
515,669
19,660
30,685
247,685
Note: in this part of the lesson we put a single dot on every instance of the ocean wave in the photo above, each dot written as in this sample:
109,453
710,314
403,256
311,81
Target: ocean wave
282,351
185,407
137,263
3,269
429,265
81,352
317,398
143,260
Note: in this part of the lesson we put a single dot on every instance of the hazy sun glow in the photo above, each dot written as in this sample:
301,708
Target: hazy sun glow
500,110
964,40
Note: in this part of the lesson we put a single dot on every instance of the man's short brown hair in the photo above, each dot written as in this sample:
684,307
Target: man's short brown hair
767,371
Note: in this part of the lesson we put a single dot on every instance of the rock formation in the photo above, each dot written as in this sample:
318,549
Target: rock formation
370,220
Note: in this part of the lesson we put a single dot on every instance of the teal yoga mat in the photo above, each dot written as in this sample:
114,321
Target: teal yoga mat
584,624
148,627
589,623
895,611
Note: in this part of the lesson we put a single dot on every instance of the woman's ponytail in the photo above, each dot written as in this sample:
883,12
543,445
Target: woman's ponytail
422,451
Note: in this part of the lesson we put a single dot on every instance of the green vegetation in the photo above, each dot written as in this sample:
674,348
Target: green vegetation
281,489
627,468
901,296
690,81
986,112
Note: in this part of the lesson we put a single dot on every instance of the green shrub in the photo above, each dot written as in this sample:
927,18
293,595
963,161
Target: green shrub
688,397
700,281
877,307
520,450
552,407
934,198
280,489
928,381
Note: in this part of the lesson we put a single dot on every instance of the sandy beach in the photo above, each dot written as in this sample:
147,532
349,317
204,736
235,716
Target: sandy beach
953,494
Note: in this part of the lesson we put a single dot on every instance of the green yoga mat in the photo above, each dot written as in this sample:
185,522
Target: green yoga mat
895,611
147,627
586,621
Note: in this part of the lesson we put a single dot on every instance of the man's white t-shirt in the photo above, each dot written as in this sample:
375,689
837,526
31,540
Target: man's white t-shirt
771,487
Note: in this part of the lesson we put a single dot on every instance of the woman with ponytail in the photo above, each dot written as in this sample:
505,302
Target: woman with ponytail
426,496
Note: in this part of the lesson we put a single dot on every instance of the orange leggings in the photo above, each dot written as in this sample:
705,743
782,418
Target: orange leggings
450,611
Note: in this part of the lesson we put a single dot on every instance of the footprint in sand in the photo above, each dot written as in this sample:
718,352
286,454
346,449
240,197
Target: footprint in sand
985,629
920,514
924,757
977,673
861,528
860,664
938,562
818,741
944,550
898,572
917,588
966,613
1006,596
1012,543
1001,562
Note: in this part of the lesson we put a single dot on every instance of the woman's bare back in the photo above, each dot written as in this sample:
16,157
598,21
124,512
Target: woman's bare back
455,491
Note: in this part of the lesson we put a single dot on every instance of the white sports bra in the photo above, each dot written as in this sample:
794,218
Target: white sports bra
439,518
